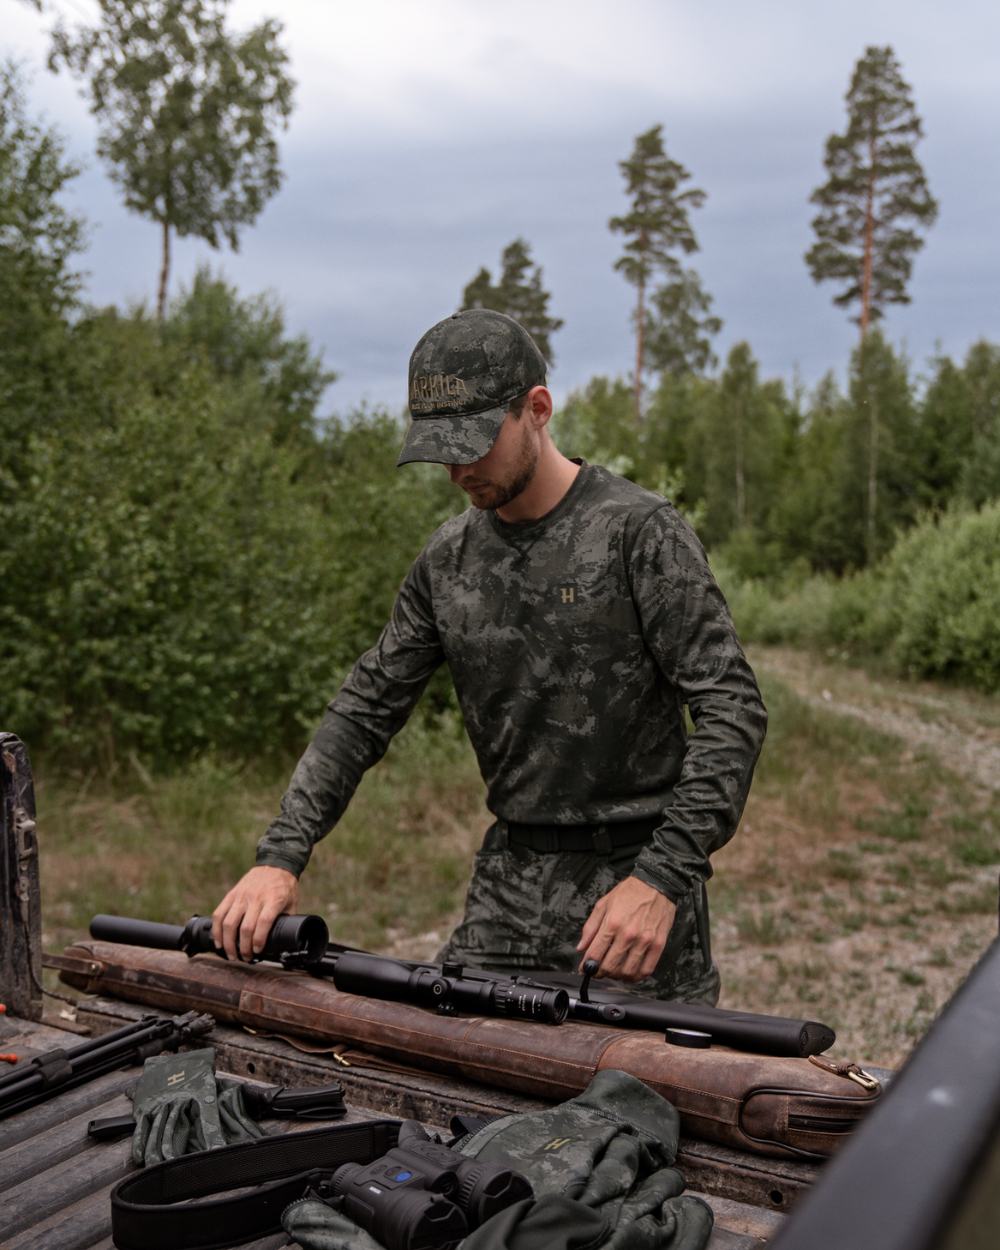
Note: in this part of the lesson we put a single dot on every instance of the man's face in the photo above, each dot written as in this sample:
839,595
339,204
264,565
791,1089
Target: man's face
507,468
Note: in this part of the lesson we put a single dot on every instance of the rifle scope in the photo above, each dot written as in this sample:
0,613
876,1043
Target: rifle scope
298,937
447,990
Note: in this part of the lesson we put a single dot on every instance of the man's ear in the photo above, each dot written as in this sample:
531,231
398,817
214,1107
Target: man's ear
539,406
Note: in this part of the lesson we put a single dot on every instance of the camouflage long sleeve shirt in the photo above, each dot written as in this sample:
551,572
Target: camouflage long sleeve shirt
575,642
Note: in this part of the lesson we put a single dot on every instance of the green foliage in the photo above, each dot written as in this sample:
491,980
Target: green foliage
273,379
39,240
171,586
165,587
381,517
518,293
942,587
680,326
596,424
943,438
186,110
813,611
852,466
957,440
875,195
878,440
657,224
928,609
979,409
719,449
188,567
38,236
745,447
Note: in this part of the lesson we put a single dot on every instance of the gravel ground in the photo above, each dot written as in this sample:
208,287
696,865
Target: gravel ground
872,923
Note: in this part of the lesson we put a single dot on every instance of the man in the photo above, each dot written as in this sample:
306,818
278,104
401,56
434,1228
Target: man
578,616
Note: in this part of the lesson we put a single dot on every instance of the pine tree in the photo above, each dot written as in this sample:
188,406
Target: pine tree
656,228
679,326
876,193
186,113
518,293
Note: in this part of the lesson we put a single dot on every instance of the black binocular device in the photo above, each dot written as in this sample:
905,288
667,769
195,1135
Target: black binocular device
422,1195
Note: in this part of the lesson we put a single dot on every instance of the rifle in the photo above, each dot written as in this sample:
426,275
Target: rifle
301,942
691,1024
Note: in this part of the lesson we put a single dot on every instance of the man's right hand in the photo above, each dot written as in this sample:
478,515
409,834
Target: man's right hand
242,921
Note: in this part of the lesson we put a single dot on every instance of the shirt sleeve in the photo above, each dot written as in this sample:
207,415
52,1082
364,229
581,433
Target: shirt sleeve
688,629
374,702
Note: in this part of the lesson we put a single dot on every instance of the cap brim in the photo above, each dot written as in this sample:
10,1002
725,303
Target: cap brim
452,440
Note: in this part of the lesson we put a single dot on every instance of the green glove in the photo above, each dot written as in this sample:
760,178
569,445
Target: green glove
237,1124
176,1107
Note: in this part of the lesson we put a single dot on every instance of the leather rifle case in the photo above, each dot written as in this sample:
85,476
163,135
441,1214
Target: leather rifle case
766,1104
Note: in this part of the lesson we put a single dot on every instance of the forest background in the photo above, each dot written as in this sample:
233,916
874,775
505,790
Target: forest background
195,551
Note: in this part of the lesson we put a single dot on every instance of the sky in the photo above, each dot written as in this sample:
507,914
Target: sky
428,134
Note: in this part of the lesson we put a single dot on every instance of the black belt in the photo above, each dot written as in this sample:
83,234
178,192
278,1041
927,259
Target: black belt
601,838
153,1210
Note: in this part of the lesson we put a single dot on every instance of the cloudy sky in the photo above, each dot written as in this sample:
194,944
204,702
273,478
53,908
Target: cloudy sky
429,133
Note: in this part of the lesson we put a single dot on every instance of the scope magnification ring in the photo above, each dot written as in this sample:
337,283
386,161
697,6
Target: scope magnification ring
531,1002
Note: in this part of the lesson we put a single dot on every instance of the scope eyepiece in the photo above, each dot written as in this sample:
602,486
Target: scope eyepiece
306,936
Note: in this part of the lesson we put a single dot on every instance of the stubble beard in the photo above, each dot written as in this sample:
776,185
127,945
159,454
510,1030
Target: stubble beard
493,495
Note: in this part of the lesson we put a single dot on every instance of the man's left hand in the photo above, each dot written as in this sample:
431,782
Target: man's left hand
627,931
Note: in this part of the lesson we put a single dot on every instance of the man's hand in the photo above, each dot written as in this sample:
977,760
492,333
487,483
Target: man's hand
242,921
627,931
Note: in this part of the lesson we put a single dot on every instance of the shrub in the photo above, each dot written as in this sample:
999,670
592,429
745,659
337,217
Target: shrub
171,585
943,590
929,609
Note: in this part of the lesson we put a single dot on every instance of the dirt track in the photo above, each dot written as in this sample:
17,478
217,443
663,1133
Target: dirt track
961,729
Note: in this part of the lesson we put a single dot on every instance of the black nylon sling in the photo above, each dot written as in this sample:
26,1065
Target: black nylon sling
145,1210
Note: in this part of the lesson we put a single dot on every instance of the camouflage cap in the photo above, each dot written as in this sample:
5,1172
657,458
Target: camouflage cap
463,374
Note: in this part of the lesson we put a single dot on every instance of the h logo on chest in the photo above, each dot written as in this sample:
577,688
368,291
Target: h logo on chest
567,594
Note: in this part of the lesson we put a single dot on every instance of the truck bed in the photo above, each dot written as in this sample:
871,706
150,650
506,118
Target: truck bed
55,1181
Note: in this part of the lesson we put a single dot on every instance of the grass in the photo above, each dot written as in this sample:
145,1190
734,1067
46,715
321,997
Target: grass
165,848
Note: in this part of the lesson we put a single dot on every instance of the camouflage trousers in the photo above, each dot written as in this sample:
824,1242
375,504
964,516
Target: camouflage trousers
525,909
